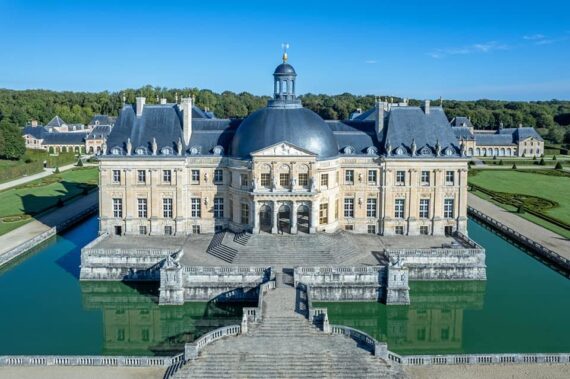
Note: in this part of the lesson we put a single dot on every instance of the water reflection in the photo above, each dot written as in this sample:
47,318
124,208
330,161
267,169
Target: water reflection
432,323
133,323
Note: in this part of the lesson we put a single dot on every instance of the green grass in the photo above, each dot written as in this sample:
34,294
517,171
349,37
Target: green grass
31,163
20,204
550,187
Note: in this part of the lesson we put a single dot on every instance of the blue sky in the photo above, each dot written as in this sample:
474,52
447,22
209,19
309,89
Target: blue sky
514,50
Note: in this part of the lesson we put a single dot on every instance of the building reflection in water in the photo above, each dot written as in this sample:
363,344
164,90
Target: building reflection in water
134,324
431,324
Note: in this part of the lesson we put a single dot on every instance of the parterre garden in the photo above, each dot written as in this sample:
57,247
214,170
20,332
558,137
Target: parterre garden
540,196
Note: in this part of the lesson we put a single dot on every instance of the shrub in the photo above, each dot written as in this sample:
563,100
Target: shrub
56,171
520,209
494,157
534,158
558,166
28,160
501,162
514,166
554,157
542,162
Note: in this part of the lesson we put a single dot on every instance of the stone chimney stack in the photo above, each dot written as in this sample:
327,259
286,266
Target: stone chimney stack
186,107
379,122
140,105
427,107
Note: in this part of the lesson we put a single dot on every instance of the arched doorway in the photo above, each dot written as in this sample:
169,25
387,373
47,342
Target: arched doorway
284,219
303,219
265,219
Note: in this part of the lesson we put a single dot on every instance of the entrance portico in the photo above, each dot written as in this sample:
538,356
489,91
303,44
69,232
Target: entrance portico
283,216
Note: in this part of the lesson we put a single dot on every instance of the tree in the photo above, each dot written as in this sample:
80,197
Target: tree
542,162
12,145
514,166
558,166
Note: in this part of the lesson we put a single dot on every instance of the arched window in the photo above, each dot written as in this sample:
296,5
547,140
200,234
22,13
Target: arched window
218,150
349,150
116,150
371,150
166,151
140,150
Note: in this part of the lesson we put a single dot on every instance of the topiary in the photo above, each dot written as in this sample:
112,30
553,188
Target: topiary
542,162
554,158
501,162
558,166
56,171
514,166
534,158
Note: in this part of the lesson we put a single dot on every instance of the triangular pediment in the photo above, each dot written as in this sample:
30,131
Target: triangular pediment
281,149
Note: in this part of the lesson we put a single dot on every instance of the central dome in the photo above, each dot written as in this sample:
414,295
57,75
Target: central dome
298,126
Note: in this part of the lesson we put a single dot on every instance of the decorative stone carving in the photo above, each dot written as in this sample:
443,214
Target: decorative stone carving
414,147
129,146
154,146
179,146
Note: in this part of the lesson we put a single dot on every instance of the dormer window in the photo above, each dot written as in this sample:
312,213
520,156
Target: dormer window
371,150
399,151
166,151
449,151
218,150
140,151
425,151
195,150
116,150
349,150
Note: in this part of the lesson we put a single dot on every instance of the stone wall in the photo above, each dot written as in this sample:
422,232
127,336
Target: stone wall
380,283
443,263
181,284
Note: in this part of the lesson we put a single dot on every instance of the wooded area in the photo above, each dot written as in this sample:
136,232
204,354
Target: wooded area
552,118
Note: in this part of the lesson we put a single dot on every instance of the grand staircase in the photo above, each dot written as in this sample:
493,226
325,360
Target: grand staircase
286,345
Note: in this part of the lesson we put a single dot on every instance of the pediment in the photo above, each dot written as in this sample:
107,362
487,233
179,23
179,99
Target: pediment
283,149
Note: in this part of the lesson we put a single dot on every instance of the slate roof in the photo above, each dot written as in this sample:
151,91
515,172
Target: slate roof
463,132
407,124
65,138
99,131
461,121
353,137
37,132
368,115
101,119
55,122
506,136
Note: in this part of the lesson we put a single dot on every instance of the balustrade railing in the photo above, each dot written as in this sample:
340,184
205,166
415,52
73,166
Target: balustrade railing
477,359
81,360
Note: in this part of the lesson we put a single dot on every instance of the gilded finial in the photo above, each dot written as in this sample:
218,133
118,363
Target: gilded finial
285,46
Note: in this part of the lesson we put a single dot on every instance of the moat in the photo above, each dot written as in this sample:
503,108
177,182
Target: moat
522,307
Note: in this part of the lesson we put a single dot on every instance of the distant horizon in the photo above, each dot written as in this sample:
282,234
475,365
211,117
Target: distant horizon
508,50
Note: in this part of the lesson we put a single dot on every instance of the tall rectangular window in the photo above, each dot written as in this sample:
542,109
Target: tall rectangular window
371,208
400,178
349,176
283,179
142,208
348,207
324,180
303,179
218,176
196,207
425,178
244,180
323,214
336,207
141,176
167,207
449,178
448,208
372,176
167,176
116,176
118,208
218,207
399,207
424,208
244,213
195,177
266,180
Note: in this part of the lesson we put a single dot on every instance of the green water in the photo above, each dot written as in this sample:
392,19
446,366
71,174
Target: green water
46,310
523,307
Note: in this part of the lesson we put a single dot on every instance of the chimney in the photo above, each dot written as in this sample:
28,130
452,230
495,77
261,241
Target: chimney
426,107
34,123
379,122
186,107
140,105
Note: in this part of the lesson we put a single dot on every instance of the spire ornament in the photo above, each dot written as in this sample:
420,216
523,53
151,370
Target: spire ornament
285,46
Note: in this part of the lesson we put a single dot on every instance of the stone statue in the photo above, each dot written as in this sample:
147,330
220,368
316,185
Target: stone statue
313,184
414,147
179,146
360,177
437,148
129,146
104,147
154,146
254,183
293,183
206,177
462,148
388,148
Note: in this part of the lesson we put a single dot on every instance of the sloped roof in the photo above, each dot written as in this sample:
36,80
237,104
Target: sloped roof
56,122
99,131
486,139
37,132
463,132
461,121
101,119
407,124
64,138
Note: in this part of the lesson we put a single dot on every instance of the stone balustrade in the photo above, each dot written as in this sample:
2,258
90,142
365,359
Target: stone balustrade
379,349
191,350
80,360
477,359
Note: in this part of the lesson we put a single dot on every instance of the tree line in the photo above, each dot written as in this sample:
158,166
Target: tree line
551,118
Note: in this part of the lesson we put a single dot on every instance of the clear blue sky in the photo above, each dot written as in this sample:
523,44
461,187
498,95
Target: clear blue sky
517,50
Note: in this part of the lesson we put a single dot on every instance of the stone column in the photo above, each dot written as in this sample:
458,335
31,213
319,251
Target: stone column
314,220
255,209
275,217
293,217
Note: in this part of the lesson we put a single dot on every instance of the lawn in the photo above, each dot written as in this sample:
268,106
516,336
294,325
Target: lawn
549,187
32,163
18,205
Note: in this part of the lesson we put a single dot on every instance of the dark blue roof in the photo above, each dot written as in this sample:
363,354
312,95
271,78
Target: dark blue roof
506,136
35,131
55,122
284,69
99,131
101,119
64,138
461,121
463,132
298,126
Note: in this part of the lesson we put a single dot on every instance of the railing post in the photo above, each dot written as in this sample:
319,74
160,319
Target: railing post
381,350
244,323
